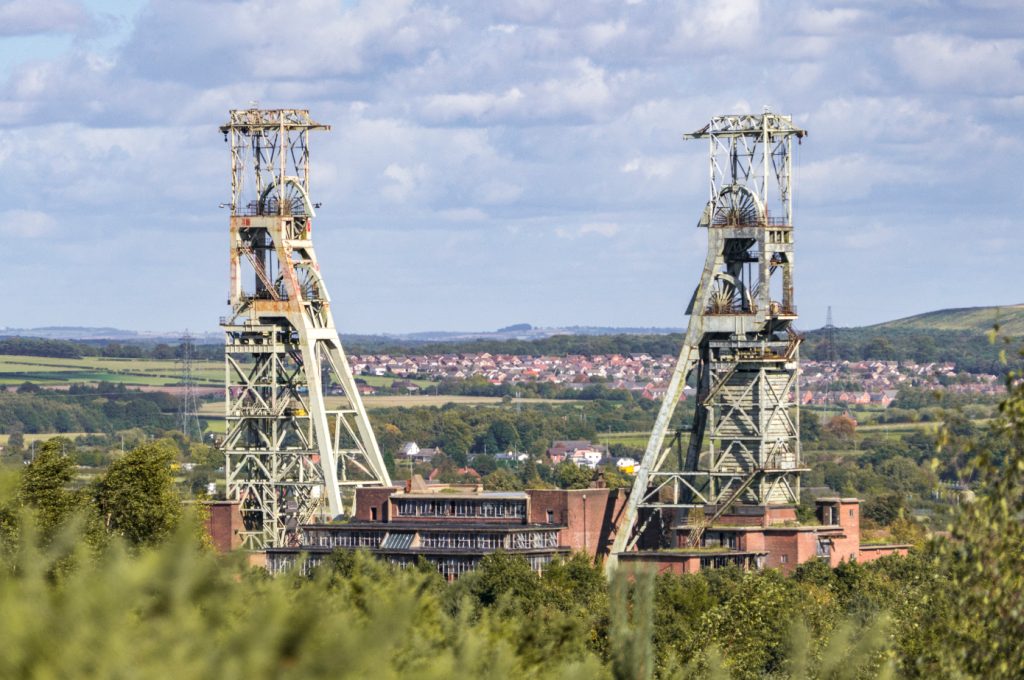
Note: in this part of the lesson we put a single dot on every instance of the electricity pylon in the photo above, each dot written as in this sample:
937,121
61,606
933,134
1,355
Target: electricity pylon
188,407
292,456
740,346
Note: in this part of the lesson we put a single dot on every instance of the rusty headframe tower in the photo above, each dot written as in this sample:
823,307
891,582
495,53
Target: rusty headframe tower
740,348
290,456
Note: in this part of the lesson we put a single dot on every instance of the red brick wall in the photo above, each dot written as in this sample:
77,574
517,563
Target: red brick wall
795,546
588,522
868,553
665,563
544,500
224,524
779,515
369,498
752,541
741,520
847,548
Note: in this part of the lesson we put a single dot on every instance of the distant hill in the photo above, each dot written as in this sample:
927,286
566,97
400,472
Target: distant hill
978,319
104,335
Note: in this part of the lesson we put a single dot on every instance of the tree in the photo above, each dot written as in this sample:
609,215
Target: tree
984,560
501,573
500,436
502,479
136,498
568,475
810,428
16,441
485,464
885,509
842,427
44,487
454,436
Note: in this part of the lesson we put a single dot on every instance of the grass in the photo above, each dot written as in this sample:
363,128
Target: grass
385,381
215,409
979,319
41,436
52,371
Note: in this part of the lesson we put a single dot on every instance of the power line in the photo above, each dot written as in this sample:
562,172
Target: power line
188,409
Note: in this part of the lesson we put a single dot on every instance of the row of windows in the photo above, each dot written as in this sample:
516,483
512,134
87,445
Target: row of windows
719,539
449,567
462,540
524,540
454,567
279,564
346,539
521,540
460,508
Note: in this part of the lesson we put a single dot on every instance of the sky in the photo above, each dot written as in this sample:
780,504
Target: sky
511,162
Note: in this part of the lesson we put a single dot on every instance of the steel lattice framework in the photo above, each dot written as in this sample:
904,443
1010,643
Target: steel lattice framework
740,346
291,457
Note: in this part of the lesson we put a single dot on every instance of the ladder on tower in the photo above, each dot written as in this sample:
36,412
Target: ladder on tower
697,532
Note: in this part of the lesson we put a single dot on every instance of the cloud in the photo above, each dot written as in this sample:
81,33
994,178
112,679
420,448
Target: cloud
464,130
867,237
404,181
651,168
604,229
18,223
450,107
715,23
982,66
30,17
827,21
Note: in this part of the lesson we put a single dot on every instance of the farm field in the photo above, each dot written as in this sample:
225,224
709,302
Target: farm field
41,437
385,381
214,409
54,371
637,440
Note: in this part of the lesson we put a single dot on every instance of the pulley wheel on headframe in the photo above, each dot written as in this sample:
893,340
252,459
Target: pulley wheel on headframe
737,206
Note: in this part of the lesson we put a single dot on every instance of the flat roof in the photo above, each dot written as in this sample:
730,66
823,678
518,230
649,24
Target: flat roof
482,495
438,552
434,524
681,552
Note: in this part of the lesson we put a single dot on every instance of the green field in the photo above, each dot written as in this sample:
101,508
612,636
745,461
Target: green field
636,440
384,381
213,410
51,371
41,437
980,319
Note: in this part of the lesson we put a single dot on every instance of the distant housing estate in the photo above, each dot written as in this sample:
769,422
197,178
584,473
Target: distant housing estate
647,376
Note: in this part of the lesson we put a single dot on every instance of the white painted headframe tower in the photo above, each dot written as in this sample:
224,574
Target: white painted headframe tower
740,348
291,457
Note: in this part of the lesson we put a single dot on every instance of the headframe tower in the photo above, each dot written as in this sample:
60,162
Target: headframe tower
740,347
290,456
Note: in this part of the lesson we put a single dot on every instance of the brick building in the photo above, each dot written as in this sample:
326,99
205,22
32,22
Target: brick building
224,525
759,537
454,526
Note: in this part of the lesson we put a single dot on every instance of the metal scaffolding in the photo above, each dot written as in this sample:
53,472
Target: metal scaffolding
293,454
740,347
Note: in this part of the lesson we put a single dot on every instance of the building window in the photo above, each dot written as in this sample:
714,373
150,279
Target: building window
551,516
851,512
784,558
373,514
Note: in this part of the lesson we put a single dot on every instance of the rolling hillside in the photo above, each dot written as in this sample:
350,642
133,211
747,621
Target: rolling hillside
979,319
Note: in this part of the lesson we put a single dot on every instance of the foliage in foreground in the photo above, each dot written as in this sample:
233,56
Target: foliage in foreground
150,601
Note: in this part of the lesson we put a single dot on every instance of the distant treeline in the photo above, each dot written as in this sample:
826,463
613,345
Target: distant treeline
556,345
104,408
970,350
67,349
